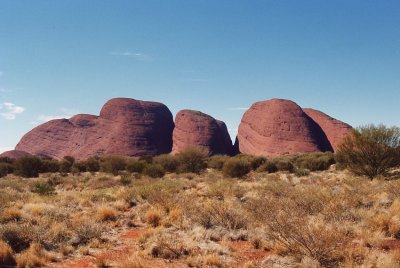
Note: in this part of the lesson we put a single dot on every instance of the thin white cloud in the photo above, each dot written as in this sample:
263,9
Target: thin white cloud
239,108
134,55
1,73
9,110
65,113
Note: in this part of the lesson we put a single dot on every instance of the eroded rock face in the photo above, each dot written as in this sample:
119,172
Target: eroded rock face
334,129
125,127
194,128
279,127
15,154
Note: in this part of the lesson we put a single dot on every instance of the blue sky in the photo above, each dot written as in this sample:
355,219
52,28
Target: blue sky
58,58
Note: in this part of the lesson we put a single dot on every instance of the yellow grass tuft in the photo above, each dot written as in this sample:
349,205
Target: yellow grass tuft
107,214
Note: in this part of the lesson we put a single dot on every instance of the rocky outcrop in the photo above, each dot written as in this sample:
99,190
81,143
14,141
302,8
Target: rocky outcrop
334,129
14,154
194,128
125,127
279,127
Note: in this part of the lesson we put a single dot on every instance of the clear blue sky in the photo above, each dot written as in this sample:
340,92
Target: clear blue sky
63,57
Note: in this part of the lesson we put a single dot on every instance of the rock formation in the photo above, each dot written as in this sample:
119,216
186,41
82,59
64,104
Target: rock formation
194,128
334,129
14,154
279,127
125,127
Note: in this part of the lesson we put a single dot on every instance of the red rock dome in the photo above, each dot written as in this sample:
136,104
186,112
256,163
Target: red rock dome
279,127
334,129
194,128
15,154
125,127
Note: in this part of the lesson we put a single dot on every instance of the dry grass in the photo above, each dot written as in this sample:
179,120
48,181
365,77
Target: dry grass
6,255
35,256
324,219
153,217
105,213
11,214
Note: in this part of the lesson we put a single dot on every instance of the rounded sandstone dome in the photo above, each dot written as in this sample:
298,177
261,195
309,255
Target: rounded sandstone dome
279,127
194,128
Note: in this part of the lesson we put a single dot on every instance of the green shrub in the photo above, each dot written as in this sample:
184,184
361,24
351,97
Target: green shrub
126,180
136,166
66,164
315,161
300,172
269,167
257,161
154,170
6,160
5,169
371,150
168,162
78,167
92,164
284,164
236,167
112,164
51,166
28,166
192,159
43,188
217,161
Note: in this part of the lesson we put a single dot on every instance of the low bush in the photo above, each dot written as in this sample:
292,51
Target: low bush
78,167
92,164
66,164
284,164
168,162
192,160
43,188
300,172
112,164
28,166
6,160
154,171
236,167
136,166
5,169
315,161
257,161
217,161
269,167
50,166
126,179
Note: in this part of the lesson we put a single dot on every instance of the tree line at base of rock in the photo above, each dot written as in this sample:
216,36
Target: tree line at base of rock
191,160
370,151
